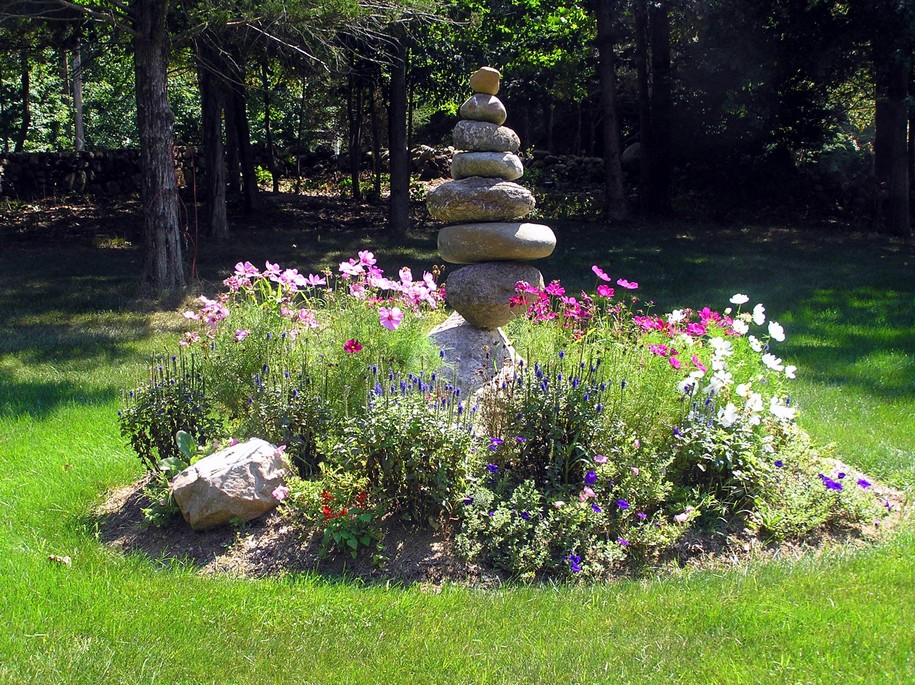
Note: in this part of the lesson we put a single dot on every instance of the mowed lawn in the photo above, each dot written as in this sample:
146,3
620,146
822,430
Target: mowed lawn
73,333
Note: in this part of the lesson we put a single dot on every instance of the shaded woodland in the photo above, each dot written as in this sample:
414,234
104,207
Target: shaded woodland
712,105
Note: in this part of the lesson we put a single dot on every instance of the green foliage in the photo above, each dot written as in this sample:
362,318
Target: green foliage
173,399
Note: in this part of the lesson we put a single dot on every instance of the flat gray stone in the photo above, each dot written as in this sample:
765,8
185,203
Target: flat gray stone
483,107
485,80
504,165
472,356
480,292
484,136
479,199
495,241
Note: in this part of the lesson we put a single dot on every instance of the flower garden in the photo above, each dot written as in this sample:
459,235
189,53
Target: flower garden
622,430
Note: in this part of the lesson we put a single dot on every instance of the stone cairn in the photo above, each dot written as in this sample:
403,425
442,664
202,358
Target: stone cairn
484,208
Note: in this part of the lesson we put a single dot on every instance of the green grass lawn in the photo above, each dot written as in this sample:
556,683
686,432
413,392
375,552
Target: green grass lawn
72,335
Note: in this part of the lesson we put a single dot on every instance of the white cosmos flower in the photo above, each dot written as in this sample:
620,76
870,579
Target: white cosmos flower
789,372
780,411
740,327
722,347
739,298
755,345
776,331
743,390
684,340
759,314
727,417
754,403
773,362
676,316
718,364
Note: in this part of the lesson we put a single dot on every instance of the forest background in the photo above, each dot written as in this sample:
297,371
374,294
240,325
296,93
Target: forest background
781,107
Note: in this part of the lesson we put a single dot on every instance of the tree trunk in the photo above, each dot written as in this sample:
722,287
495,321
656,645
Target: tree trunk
79,135
661,106
163,268
376,142
891,167
25,99
354,139
250,195
233,160
399,205
268,130
640,14
614,198
212,105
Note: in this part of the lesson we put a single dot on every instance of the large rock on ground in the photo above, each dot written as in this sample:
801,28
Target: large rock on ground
234,483
504,165
484,136
473,356
479,199
483,107
515,241
480,292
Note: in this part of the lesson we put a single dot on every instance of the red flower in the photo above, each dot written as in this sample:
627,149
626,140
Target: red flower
352,346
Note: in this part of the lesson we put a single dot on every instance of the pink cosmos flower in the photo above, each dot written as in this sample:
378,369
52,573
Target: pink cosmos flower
586,493
660,350
600,273
272,271
307,318
628,285
604,290
674,362
696,329
241,334
281,493
352,346
246,270
351,268
600,459
189,338
366,258
315,280
406,276
699,365
233,442
390,318
555,289
279,451
194,316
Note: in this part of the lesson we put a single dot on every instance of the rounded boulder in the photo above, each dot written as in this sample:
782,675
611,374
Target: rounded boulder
485,242
483,107
484,136
485,80
504,165
479,199
481,292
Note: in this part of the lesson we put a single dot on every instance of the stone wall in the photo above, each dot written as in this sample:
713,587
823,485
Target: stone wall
111,173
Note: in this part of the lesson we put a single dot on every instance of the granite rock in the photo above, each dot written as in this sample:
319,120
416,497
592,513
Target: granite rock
504,165
485,136
483,107
495,241
480,292
479,199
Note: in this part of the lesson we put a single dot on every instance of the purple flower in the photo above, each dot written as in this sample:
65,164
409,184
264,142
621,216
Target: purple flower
778,463
830,483
624,543
590,478
494,444
467,501
841,475
863,483
596,509
641,515
525,515
888,505
574,563
520,439
492,468
622,504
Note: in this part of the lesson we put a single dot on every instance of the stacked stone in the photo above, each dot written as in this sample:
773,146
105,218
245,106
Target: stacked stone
484,208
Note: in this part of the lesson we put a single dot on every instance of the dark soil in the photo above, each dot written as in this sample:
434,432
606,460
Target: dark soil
273,546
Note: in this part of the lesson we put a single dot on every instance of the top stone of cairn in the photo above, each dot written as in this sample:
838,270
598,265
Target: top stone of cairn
485,80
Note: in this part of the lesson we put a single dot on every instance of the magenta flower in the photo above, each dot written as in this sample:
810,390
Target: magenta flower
390,318
352,346
604,290
555,289
600,273
674,362
699,365
628,285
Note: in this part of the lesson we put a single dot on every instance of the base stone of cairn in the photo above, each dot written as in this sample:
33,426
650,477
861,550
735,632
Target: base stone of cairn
485,209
